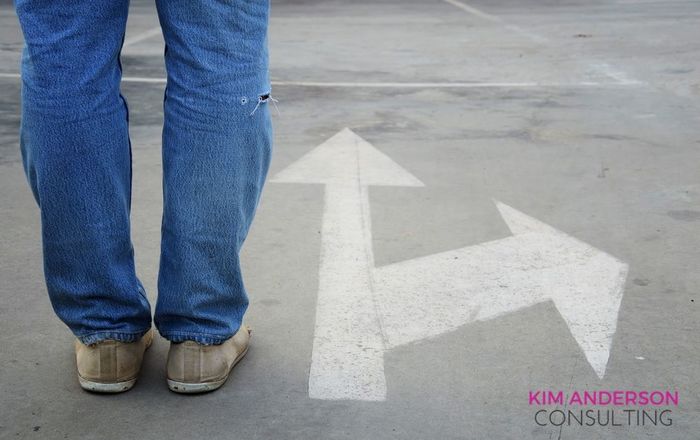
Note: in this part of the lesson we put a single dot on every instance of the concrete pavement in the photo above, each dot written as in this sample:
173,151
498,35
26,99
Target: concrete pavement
583,115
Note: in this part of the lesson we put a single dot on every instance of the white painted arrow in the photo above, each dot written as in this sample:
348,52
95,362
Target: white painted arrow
363,311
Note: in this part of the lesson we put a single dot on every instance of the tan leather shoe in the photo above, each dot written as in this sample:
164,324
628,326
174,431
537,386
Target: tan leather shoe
110,366
195,368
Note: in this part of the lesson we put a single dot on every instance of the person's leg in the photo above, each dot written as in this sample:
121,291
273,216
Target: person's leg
216,151
77,157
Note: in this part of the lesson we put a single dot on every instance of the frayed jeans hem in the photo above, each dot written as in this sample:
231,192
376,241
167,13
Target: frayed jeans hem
95,337
200,338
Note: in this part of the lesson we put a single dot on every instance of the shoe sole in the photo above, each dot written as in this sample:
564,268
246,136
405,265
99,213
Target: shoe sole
106,388
203,387
110,387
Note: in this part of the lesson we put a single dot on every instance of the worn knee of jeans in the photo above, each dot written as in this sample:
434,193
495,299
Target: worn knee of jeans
217,61
70,80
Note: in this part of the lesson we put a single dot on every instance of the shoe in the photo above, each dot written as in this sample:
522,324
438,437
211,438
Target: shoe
110,366
196,368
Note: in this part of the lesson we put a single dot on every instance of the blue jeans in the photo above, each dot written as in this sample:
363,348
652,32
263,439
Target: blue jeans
76,151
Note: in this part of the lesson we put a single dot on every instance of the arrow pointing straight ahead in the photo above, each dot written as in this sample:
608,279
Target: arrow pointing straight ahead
347,360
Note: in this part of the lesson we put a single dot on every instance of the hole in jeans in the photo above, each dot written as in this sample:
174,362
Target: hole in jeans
264,98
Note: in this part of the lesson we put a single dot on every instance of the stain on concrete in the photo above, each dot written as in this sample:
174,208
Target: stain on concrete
685,215
678,70
641,282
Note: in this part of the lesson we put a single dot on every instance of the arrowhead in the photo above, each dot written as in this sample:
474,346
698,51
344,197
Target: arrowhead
586,284
346,158
588,296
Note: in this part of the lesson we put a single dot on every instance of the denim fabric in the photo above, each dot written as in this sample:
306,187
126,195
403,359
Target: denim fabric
217,140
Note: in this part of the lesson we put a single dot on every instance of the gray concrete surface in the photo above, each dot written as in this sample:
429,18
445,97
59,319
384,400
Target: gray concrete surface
588,120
